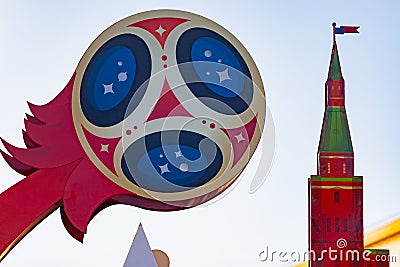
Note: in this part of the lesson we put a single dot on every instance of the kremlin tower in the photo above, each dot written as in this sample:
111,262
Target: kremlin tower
335,199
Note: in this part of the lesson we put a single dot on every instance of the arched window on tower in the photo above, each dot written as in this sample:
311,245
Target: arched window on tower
335,166
336,197
337,226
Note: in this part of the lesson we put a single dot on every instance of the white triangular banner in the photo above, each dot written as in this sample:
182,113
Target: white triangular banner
140,254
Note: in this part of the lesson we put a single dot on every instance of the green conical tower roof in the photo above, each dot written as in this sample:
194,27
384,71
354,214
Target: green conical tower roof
335,132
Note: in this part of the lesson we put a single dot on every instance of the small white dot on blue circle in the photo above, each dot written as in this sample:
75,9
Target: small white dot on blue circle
183,167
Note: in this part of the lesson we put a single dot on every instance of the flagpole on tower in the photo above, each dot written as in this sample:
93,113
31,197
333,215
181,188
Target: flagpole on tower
334,31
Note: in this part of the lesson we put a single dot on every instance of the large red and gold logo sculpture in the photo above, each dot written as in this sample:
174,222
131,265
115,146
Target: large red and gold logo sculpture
163,112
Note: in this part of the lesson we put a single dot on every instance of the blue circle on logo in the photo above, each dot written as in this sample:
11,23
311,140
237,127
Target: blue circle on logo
171,161
115,80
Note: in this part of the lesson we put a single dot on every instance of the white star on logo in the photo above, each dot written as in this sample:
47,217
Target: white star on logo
239,137
224,75
178,154
164,168
108,88
160,30
104,148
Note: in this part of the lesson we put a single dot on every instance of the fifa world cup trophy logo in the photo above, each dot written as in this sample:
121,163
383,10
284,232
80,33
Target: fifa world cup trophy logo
163,112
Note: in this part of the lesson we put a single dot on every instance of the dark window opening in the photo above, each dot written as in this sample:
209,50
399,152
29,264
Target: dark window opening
328,225
315,225
337,226
336,197
358,227
358,198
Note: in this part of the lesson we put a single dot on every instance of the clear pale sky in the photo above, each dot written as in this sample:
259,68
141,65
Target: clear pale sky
43,41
